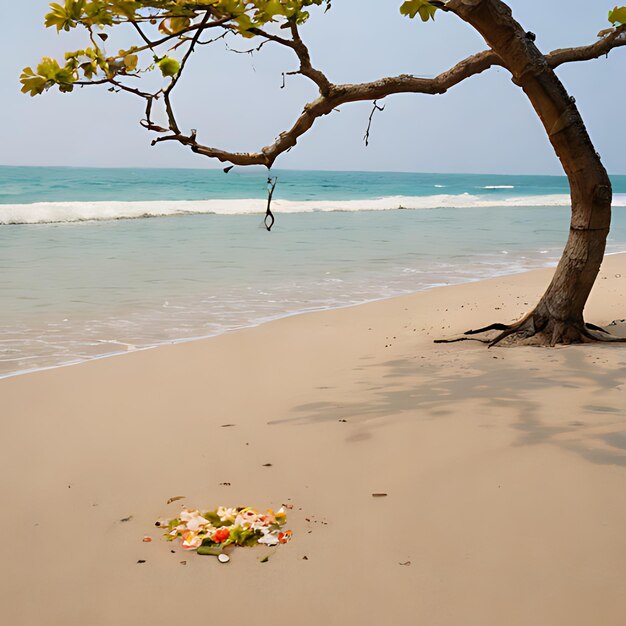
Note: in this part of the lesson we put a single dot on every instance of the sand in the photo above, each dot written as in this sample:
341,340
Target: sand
505,471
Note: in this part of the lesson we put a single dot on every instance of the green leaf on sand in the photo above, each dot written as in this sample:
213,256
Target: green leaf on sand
210,550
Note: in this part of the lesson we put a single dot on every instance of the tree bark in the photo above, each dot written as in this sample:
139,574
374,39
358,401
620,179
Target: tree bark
558,317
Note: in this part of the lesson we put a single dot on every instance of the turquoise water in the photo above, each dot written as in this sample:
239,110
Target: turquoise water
73,289
21,185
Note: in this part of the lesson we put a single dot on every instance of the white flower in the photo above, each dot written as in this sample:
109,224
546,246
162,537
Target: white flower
225,513
193,520
269,540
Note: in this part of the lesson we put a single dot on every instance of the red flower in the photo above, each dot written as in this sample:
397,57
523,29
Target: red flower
221,535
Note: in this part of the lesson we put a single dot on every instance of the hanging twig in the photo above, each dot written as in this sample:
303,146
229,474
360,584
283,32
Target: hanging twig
375,108
269,216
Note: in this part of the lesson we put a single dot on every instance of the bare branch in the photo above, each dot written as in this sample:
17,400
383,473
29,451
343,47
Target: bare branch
306,67
338,95
613,39
167,93
333,96
200,27
375,108
302,52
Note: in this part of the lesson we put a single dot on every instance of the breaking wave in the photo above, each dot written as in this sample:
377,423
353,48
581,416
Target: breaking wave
60,212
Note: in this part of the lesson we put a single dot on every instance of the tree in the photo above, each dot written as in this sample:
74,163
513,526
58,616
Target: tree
170,31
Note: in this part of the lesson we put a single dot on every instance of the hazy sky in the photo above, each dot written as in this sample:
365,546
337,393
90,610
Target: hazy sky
235,101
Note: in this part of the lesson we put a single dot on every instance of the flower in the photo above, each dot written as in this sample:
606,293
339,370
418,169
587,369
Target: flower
191,540
269,540
193,520
221,535
249,515
226,514
284,537
238,526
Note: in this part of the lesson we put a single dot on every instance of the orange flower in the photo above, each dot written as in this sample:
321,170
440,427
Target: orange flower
191,540
285,537
221,535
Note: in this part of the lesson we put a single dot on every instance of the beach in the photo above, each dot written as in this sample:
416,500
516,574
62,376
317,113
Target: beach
80,280
504,471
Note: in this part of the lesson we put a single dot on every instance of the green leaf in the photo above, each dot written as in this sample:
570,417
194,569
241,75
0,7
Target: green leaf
425,10
618,15
210,550
65,17
242,537
47,74
169,66
31,83
130,62
214,518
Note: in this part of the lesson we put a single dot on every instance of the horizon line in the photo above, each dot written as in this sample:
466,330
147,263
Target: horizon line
256,168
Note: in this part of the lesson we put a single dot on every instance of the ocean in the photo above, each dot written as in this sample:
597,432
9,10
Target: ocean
95,262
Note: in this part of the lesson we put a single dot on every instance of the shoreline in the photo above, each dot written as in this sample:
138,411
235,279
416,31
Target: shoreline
270,320
503,471
276,318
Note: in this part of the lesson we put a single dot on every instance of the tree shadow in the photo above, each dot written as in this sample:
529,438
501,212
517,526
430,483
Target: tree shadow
481,387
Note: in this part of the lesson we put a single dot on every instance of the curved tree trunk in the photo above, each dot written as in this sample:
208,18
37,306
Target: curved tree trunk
558,318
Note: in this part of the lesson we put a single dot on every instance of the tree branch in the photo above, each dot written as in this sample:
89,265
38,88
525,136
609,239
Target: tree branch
333,96
302,52
613,39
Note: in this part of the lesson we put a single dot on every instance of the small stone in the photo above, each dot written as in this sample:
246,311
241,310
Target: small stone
223,558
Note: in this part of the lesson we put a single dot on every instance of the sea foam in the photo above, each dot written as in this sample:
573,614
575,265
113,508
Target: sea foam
60,212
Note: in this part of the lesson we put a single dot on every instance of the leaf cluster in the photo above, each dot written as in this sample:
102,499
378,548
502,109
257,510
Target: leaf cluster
175,15
173,19
173,23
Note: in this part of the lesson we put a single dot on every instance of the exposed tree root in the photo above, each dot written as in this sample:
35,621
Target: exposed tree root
537,330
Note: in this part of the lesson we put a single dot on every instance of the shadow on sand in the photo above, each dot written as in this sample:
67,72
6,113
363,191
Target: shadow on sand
484,386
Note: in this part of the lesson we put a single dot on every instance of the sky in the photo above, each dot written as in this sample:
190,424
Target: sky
484,125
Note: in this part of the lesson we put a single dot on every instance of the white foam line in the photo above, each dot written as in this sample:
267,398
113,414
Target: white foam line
60,212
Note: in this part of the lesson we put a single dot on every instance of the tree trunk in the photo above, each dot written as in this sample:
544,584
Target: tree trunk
558,318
